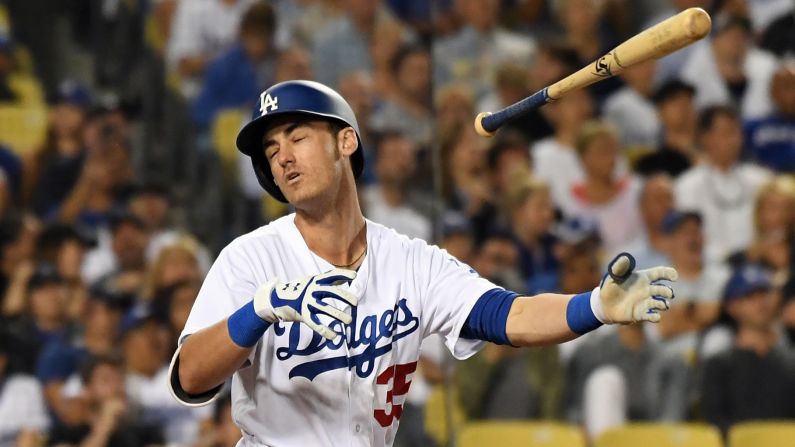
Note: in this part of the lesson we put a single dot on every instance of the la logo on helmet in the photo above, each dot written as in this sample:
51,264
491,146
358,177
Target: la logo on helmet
268,103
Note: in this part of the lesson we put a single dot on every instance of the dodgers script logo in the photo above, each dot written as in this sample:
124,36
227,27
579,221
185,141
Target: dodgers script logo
390,326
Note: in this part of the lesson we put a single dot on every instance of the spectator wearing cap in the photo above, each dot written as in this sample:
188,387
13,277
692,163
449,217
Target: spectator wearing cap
456,236
106,418
387,201
698,290
145,349
722,188
201,30
53,169
408,110
677,141
655,201
43,318
237,76
472,54
731,70
23,415
771,139
604,195
120,263
755,378
60,359
631,110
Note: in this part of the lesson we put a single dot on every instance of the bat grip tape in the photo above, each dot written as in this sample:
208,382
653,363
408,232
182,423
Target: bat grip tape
493,121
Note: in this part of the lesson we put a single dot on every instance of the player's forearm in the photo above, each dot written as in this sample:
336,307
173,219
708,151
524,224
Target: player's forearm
539,320
208,358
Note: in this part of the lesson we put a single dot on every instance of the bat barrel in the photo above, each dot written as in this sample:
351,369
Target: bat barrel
486,123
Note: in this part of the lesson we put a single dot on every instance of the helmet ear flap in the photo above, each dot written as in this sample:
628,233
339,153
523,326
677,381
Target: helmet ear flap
265,178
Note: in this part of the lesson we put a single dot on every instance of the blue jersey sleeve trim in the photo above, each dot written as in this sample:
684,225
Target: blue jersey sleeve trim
489,316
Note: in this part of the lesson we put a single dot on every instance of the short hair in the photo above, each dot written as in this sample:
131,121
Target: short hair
523,185
506,140
710,114
88,367
403,53
563,53
259,18
592,130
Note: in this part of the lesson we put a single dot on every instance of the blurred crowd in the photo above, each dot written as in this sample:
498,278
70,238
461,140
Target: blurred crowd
119,183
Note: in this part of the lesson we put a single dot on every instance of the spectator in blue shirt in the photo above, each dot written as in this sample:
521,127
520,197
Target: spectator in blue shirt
771,140
243,71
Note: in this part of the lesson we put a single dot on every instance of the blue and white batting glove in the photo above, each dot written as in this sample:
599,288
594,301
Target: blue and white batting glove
628,296
302,300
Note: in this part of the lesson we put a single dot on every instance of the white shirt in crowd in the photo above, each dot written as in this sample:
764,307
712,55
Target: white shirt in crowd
298,388
402,219
635,117
725,201
701,72
21,408
557,165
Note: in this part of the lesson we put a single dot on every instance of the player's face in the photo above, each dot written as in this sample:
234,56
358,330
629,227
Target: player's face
305,158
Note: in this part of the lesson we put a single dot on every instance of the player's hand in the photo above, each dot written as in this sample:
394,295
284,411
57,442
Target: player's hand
302,300
628,296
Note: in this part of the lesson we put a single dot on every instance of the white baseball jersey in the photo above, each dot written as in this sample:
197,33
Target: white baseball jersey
299,389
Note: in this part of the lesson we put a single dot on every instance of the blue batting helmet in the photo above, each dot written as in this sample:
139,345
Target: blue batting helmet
297,97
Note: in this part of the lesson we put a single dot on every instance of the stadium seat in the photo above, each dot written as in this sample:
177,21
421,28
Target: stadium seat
27,88
436,415
225,127
521,434
762,434
22,128
661,435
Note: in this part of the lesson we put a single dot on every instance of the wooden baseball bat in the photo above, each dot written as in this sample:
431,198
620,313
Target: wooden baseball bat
661,39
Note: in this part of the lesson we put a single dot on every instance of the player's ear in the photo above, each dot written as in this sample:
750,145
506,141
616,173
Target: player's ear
347,141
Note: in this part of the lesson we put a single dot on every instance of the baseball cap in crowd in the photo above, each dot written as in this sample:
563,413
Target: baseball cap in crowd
670,89
745,280
674,219
124,216
71,92
135,317
455,223
44,273
576,230
54,235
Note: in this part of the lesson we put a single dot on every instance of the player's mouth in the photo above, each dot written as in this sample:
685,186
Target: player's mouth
293,177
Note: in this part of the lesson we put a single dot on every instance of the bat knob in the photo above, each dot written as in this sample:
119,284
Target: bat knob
479,125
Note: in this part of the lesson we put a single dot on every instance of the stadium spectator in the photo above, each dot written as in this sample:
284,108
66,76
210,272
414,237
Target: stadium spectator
294,62
225,433
52,170
201,30
456,237
349,39
655,201
17,242
722,188
175,263
771,139
106,419
472,54
511,84
530,215
506,155
455,106
774,230
698,290
604,195
677,142
119,265
730,70
631,110
757,357
387,201
408,110
497,259
23,415
241,72
778,38
555,160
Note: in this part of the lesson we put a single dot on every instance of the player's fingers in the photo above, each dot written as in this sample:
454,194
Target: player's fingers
662,291
333,312
652,317
324,331
658,303
661,274
336,276
335,292
621,267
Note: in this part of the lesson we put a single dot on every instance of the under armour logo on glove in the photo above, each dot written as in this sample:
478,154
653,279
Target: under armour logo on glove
302,300
628,296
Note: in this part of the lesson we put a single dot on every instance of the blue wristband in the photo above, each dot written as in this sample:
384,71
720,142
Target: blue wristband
245,326
580,316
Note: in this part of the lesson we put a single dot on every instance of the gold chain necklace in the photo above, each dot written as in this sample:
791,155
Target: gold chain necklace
352,262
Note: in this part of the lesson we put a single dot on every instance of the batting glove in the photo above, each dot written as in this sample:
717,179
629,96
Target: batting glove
302,300
628,296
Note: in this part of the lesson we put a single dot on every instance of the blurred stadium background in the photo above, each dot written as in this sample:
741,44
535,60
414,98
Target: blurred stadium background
120,182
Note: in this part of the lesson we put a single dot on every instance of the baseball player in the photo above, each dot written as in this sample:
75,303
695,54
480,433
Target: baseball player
318,316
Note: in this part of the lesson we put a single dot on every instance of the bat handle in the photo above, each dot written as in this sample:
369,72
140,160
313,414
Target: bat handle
486,123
